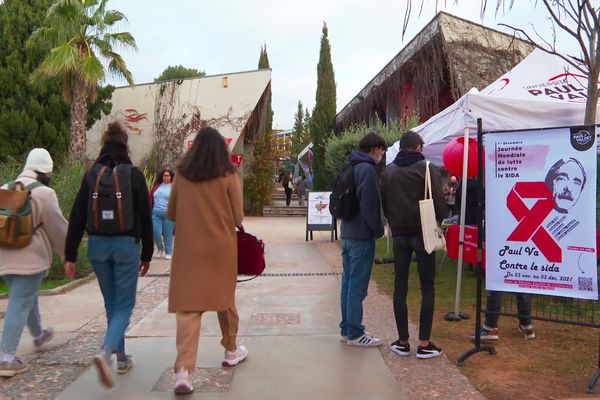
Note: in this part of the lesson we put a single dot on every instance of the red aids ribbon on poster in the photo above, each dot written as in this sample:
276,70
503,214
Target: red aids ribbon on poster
530,220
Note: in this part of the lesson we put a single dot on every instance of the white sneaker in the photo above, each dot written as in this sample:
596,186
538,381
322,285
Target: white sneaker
168,257
183,382
233,358
366,340
160,254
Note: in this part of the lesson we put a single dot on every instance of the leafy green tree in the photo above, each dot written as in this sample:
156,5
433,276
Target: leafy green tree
323,116
178,72
28,117
82,37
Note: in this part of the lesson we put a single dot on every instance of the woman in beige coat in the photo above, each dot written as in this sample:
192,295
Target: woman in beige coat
206,205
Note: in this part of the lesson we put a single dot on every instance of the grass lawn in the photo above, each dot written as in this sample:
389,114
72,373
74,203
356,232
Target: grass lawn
46,284
557,364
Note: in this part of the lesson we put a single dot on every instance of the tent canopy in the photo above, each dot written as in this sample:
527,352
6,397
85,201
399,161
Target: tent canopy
541,91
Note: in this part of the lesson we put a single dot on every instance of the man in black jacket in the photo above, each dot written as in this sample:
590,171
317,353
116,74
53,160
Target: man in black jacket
402,188
358,240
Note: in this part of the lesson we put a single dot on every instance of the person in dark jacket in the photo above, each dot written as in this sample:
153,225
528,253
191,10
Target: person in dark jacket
116,259
402,188
358,240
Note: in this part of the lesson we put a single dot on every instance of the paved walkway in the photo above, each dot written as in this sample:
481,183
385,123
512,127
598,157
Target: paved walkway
288,321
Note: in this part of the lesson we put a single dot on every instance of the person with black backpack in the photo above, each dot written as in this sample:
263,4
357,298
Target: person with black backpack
359,229
112,205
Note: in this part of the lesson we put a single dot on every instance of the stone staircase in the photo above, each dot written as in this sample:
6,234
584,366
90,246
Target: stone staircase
277,208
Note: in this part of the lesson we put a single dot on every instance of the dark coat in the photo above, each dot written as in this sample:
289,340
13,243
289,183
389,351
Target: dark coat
367,224
402,188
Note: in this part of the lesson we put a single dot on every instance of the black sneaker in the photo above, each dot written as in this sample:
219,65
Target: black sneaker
429,351
400,349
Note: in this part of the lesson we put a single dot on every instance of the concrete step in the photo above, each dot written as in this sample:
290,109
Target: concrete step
278,211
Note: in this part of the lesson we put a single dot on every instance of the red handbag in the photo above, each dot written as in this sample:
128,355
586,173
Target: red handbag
251,254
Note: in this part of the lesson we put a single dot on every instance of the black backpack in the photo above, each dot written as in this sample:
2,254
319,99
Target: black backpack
110,202
343,203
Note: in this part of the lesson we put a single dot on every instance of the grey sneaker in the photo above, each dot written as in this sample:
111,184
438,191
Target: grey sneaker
12,368
102,363
44,337
365,340
124,366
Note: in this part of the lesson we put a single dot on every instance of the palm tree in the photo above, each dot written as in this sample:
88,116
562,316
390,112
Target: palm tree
80,35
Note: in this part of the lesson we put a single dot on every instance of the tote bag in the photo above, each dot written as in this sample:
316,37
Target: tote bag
433,237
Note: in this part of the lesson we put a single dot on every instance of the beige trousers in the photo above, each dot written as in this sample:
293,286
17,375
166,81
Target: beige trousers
188,335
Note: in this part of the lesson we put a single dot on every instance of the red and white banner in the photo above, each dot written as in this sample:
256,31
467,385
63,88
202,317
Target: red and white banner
540,219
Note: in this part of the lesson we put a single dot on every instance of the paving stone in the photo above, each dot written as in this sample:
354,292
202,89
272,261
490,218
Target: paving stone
203,380
275,319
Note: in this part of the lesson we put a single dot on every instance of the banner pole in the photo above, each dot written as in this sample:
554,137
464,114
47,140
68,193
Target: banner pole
480,205
457,315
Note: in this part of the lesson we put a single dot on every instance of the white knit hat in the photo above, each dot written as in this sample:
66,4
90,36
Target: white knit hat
39,160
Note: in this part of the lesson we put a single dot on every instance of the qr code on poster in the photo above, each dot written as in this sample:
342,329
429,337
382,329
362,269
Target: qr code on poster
585,284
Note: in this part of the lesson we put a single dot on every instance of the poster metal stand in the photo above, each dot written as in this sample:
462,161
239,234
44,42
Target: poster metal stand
318,217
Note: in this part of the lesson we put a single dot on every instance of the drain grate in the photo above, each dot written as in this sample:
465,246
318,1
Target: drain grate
277,274
269,274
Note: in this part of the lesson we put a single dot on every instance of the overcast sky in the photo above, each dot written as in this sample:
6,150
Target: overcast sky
222,36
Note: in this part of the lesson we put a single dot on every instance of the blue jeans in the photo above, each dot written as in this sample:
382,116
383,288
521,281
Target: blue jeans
162,229
22,310
357,260
116,261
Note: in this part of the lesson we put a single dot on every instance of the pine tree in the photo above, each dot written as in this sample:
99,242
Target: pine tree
323,116
299,131
307,120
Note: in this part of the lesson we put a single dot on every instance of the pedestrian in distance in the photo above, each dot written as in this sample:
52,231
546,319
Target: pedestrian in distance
301,189
288,187
206,205
112,206
358,234
450,195
162,227
402,188
24,268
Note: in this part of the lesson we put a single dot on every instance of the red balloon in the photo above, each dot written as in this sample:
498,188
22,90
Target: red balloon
453,157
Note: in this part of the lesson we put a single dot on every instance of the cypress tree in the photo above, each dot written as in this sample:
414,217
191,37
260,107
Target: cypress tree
323,115
258,184
263,63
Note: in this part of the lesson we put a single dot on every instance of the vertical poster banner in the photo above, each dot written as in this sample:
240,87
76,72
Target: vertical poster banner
318,210
540,215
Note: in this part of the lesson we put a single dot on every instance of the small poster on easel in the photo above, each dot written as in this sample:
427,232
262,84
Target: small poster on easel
319,218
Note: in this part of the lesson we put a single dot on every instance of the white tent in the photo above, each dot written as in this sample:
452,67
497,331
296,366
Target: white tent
541,91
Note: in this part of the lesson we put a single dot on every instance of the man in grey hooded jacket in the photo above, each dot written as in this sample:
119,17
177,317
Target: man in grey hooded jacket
358,240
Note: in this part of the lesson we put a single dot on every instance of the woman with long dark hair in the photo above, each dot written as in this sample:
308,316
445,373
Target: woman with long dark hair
206,205
161,225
